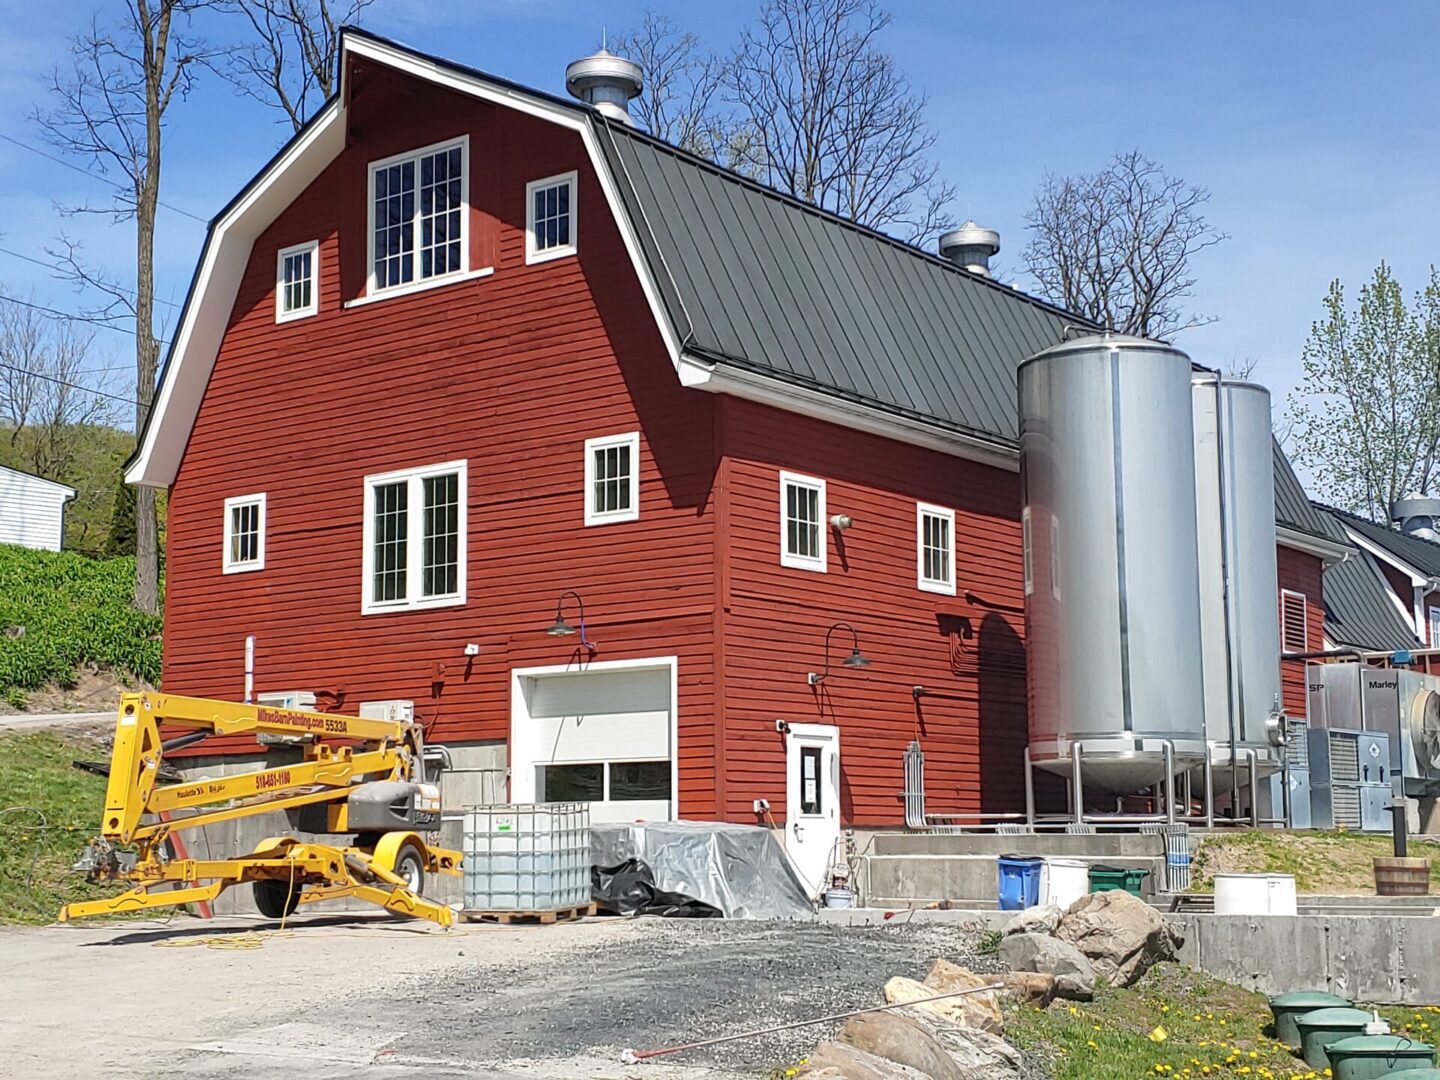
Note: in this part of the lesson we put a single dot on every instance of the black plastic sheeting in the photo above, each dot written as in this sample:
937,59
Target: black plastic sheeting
739,870
629,889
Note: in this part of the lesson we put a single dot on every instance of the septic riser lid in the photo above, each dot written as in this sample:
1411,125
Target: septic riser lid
1309,999
1376,1045
1333,1018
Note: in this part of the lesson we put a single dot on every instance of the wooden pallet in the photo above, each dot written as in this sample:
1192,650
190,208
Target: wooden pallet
505,918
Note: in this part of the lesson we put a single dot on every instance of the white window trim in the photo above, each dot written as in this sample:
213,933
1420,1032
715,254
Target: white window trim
1304,622
415,506
1027,552
372,291
562,251
922,511
804,562
230,566
281,315
604,442
1433,618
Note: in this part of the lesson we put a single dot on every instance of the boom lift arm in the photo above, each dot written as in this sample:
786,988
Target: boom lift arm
361,775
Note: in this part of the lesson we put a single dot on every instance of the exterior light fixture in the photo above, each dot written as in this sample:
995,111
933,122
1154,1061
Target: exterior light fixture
841,521
561,628
856,659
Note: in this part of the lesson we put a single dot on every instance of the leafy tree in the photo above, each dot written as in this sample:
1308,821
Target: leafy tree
1367,428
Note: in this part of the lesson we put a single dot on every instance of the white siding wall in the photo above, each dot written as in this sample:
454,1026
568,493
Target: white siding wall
32,510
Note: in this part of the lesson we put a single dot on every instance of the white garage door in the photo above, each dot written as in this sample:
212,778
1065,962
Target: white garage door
602,736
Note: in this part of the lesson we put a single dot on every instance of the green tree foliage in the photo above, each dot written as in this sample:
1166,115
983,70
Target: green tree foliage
93,468
1368,426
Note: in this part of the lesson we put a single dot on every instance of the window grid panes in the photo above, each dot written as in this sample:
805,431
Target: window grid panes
440,539
935,548
394,224
612,479
551,211
298,281
441,178
802,521
602,781
244,533
391,516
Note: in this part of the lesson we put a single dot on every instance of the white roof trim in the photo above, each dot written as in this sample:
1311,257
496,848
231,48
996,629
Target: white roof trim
1328,550
33,479
1417,577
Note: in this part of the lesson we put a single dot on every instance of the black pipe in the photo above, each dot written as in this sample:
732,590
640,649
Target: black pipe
1397,815
180,741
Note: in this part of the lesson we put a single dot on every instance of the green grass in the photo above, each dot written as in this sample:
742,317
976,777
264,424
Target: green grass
73,610
35,773
1334,863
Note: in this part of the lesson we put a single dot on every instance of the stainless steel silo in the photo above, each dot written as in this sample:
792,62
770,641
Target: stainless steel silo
1112,598
1235,519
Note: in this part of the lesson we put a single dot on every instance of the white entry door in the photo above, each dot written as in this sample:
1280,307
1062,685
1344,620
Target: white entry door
812,801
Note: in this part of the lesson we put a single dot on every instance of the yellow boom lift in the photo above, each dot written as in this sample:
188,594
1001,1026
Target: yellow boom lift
359,776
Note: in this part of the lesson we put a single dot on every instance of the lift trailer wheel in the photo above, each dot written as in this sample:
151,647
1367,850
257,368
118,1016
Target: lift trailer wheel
277,898
410,865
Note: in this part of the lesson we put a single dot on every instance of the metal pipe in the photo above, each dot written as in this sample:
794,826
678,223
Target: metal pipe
1254,788
1286,808
1397,815
1169,753
250,669
1029,788
1230,698
1077,790
1209,790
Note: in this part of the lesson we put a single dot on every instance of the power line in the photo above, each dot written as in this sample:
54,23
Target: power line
72,385
94,175
71,317
61,270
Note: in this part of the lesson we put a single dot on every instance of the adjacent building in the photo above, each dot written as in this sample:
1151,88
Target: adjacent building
32,510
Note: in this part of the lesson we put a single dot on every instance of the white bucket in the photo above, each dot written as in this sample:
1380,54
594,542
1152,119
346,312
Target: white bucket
1063,881
1255,894
839,898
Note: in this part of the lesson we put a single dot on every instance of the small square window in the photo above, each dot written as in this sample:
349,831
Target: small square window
612,479
297,281
935,548
244,534
802,522
550,218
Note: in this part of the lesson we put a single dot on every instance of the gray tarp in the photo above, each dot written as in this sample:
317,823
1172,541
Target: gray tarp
739,869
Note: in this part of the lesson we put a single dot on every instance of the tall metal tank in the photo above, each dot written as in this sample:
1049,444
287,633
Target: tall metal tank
1107,464
1235,530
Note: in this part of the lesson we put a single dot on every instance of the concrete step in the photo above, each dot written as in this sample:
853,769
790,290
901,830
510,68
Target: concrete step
1091,846
900,880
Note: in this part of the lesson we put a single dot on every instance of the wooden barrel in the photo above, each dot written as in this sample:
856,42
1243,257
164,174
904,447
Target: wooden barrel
1402,877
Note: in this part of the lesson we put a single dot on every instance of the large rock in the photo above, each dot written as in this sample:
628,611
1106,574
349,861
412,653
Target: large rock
1028,987
980,1011
1036,920
1074,974
1121,934
904,1039
837,1061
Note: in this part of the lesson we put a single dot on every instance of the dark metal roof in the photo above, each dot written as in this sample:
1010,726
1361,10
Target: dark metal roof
1293,508
1360,609
761,281
1423,555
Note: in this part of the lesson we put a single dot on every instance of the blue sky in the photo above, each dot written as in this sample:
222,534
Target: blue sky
1311,124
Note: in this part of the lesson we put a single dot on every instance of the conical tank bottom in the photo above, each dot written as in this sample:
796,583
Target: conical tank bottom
1120,774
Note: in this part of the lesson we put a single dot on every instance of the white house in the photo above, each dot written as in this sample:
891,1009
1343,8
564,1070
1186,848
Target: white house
32,510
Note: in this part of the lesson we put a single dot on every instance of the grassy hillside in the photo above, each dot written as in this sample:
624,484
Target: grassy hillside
1329,863
47,813
59,610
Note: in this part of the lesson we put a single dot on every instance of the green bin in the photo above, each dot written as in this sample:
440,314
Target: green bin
1369,1057
1117,877
1413,1074
1322,1027
1286,1007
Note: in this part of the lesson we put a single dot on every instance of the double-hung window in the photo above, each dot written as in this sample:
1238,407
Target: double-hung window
297,281
612,479
418,226
414,538
550,218
935,548
244,533
1435,627
802,522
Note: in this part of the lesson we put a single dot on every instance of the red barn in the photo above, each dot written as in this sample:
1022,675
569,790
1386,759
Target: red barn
465,362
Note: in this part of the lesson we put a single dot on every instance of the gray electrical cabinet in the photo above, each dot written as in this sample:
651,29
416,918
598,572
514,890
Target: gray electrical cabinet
1350,780
1297,759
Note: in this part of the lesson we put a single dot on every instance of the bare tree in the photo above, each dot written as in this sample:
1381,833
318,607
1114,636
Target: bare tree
832,120
289,60
110,108
1116,245
682,86
48,390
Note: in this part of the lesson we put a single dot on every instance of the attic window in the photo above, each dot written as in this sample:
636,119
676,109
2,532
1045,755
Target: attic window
1294,635
802,514
550,218
244,533
297,272
418,227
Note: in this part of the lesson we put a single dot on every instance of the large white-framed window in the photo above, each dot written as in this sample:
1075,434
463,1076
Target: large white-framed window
297,281
550,217
244,533
802,522
414,538
1434,617
1294,631
935,548
612,478
419,224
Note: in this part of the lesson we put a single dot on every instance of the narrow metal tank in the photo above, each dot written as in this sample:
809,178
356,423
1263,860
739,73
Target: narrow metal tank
1235,531
1107,466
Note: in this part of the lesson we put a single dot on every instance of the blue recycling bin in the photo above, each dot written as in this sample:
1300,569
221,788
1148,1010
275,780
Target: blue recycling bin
1019,882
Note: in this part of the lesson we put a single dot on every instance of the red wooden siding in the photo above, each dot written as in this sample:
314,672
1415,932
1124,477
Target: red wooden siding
967,649
1399,583
1299,572
512,373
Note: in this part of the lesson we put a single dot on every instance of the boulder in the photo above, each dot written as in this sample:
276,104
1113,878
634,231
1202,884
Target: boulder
837,1061
906,1039
1121,935
1035,920
980,1011
1074,974
1028,987
981,1055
